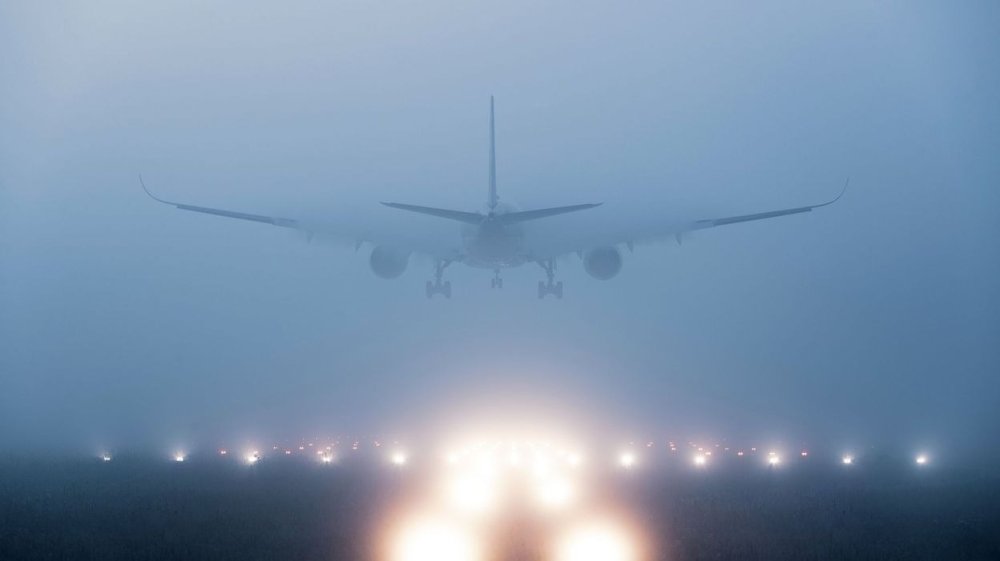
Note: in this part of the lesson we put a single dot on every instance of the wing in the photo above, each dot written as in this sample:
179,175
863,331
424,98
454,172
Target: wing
553,240
713,222
350,230
273,220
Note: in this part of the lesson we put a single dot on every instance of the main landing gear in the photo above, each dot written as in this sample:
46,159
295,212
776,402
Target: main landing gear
437,286
550,287
496,281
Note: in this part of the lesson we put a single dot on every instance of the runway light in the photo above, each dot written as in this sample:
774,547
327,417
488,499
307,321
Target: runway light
179,457
773,459
847,460
700,460
921,459
398,458
326,459
595,543
223,452
437,541
106,457
252,457
626,460
804,454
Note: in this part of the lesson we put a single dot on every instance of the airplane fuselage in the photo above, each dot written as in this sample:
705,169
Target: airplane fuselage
492,245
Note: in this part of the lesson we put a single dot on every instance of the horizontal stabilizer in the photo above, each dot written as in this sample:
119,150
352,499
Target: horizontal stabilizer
524,216
461,216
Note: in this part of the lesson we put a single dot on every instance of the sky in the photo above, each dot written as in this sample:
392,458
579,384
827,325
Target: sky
127,323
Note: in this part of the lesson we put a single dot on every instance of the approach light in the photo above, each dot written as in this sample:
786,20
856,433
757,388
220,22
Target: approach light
555,493
700,460
106,457
472,492
847,460
398,458
326,458
921,459
773,459
434,540
804,454
223,452
595,543
179,457
252,457
626,460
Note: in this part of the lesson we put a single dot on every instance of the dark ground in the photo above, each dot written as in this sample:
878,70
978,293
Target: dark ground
136,508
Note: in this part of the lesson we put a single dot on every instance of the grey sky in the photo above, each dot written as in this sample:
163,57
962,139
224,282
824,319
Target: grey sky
128,322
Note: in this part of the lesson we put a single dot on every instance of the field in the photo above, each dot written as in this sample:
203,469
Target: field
143,508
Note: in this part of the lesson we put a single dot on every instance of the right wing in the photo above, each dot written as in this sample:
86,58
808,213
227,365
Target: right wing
285,222
348,230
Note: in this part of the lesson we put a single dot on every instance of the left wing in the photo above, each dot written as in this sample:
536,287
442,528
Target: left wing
552,241
713,222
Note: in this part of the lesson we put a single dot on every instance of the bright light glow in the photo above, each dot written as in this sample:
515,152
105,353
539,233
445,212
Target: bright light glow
252,457
326,458
398,458
179,457
106,457
574,459
595,543
700,460
773,459
626,460
555,492
847,460
431,540
473,492
921,459
804,454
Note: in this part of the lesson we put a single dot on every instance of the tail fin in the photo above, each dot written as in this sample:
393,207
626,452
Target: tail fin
493,198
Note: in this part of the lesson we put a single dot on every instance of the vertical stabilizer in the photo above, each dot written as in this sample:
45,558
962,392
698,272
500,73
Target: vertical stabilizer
493,198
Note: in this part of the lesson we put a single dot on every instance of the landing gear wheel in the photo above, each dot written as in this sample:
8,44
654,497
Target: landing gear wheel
437,286
549,287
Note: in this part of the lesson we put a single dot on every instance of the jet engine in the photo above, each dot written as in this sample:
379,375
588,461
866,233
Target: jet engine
602,263
388,262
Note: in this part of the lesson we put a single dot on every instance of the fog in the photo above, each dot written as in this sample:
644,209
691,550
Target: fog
126,323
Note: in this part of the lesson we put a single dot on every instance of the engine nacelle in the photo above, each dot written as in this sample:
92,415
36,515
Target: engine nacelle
602,263
388,262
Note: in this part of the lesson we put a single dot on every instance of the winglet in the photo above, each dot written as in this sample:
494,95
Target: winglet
839,195
151,195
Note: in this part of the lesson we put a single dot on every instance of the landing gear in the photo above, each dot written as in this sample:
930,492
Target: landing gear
550,287
437,286
496,281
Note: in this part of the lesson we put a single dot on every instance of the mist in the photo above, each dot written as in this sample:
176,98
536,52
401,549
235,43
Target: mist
127,323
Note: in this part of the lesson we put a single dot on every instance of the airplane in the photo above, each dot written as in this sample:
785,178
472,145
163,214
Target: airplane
499,237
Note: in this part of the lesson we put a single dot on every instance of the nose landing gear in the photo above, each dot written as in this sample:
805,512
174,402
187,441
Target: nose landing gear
550,287
437,286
